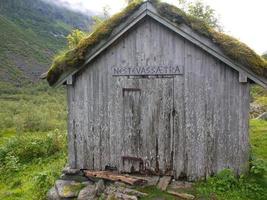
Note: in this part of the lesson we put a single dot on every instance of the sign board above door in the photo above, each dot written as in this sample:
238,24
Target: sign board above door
147,70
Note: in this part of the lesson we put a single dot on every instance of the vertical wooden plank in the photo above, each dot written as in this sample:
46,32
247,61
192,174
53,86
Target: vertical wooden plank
78,121
243,141
211,85
179,109
71,127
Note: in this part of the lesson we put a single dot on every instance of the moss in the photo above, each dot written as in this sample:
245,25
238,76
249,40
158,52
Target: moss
70,189
240,52
232,47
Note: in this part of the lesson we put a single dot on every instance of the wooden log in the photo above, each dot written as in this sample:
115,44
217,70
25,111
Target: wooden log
164,182
106,175
181,195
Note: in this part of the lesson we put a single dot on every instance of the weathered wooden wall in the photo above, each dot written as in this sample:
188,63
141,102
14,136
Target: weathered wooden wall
194,124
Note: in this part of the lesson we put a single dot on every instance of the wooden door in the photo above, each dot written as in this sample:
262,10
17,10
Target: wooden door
148,126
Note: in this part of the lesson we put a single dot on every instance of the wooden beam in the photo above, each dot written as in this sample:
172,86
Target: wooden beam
111,176
181,195
243,77
70,80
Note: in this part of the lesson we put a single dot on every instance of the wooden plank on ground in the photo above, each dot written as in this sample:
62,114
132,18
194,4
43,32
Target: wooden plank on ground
111,176
164,182
181,195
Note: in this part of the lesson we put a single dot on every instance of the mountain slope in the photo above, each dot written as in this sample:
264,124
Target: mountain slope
31,32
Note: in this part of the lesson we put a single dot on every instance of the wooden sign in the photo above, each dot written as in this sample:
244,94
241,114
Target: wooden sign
147,70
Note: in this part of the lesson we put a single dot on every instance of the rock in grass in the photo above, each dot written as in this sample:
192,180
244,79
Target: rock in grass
69,189
164,182
100,187
88,193
69,171
77,178
176,185
123,190
52,194
121,196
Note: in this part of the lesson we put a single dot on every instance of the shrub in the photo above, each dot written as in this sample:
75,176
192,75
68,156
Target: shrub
30,147
258,167
44,181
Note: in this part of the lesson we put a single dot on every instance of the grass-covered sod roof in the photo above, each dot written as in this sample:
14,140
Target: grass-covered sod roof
233,48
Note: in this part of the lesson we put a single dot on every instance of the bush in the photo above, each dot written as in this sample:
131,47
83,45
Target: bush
258,168
43,181
28,148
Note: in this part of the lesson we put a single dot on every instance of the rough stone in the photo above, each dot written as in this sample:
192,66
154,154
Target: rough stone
52,194
88,193
121,196
69,171
132,192
68,189
175,185
121,190
119,184
152,180
164,182
263,116
100,187
77,178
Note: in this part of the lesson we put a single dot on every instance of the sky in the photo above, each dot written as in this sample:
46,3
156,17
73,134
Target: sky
243,19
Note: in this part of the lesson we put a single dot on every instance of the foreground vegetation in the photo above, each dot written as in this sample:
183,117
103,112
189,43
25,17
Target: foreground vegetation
32,140
33,149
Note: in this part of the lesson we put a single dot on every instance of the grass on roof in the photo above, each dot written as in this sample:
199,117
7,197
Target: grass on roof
76,57
233,48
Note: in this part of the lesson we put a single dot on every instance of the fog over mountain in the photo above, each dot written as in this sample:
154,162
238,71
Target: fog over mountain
75,6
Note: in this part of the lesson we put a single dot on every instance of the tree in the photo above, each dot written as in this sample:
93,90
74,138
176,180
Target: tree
202,11
74,38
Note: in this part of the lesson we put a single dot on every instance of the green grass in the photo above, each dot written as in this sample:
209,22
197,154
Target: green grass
258,138
154,193
33,180
32,140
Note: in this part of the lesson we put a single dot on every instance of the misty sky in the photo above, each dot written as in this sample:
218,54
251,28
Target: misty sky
244,19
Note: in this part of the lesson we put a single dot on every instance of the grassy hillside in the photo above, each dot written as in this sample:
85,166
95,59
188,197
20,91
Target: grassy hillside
32,31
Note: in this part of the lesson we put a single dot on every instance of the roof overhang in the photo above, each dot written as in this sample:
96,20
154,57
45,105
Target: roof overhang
147,9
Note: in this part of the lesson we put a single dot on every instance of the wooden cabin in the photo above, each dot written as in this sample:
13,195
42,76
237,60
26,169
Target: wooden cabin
157,98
